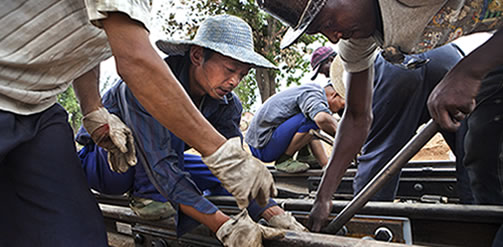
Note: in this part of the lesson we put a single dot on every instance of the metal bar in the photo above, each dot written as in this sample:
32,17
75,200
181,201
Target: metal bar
388,171
489,214
315,239
328,139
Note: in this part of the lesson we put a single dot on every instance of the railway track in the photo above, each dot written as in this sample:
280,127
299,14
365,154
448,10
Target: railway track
440,222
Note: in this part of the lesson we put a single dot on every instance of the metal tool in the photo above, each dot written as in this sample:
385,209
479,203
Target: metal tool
324,137
386,173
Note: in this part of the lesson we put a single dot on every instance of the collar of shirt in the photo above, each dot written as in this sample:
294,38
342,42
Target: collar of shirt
180,67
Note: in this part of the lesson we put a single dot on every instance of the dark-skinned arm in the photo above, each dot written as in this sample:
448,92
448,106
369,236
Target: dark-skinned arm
155,86
454,97
351,135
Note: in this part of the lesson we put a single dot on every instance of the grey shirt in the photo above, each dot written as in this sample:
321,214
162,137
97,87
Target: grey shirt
308,99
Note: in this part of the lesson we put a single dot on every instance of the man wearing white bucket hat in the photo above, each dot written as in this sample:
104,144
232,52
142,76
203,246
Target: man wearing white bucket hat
281,126
208,67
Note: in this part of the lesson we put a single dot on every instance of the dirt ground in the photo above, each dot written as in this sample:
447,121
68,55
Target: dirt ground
435,149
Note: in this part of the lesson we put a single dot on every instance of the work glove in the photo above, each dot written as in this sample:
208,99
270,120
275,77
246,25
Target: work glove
240,230
241,174
286,221
110,133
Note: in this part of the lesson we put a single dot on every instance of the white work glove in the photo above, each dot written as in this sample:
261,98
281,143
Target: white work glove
110,133
286,221
242,231
242,175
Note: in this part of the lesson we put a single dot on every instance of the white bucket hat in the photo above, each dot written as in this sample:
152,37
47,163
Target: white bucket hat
336,73
225,34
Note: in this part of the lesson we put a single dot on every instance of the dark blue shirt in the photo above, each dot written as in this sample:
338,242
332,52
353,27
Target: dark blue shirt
162,149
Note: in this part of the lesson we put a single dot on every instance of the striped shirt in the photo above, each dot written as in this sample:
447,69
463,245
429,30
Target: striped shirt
46,44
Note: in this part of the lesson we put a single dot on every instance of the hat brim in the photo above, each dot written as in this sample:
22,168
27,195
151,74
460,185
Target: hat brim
293,34
316,72
322,60
336,77
179,47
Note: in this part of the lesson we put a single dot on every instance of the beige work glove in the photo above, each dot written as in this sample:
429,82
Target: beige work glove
242,231
286,221
242,175
110,133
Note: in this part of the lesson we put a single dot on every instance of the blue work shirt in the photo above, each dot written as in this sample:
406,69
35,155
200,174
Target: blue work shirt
163,150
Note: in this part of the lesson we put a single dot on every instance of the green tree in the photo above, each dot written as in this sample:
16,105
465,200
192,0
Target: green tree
68,100
267,33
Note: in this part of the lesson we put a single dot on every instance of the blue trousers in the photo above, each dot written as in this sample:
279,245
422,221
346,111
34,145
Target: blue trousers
45,198
484,145
282,137
104,180
484,142
399,108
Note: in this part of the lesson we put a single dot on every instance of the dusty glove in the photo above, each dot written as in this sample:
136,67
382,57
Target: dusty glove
110,133
242,231
286,221
241,174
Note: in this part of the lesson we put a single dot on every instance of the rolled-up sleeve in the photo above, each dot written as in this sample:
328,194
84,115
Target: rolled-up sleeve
311,102
357,54
138,10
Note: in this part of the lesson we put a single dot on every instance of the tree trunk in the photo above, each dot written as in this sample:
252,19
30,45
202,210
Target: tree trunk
266,83
266,79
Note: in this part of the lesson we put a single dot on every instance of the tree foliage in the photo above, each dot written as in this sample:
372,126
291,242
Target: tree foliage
267,33
68,100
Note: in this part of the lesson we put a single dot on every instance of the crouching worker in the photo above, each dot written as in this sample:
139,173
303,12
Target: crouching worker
208,67
281,126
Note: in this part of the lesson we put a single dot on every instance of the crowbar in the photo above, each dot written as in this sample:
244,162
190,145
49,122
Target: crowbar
386,173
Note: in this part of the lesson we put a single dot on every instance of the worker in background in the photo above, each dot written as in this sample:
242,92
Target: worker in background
281,126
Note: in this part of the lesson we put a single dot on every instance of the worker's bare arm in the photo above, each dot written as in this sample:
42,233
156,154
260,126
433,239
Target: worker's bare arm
154,85
351,135
454,97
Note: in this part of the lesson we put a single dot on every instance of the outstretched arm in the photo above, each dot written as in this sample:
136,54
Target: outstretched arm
351,135
454,97
326,122
154,85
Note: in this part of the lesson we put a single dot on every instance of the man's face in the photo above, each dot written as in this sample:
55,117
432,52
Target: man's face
335,101
325,66
344,20
220,74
